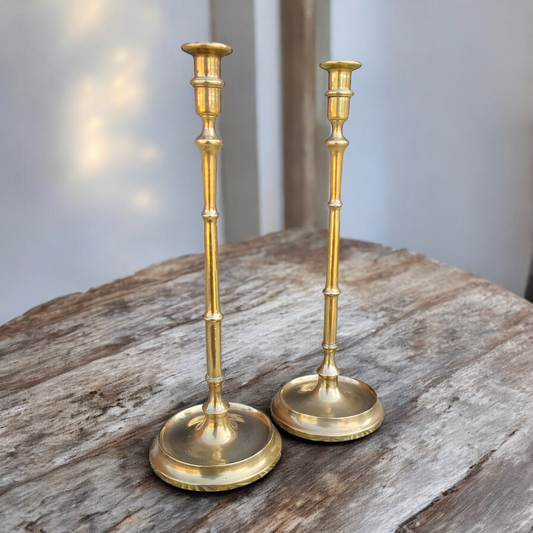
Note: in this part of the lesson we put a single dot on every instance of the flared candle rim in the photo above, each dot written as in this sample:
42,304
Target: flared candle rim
338,65
203,48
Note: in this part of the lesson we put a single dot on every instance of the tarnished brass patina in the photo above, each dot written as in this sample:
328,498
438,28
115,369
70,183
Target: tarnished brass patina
217,445
327,406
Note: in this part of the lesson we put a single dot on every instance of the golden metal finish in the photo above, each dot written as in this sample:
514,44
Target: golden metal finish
327,406
218,445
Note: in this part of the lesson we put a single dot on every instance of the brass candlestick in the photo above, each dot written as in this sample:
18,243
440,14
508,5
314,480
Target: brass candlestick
327,406
214,446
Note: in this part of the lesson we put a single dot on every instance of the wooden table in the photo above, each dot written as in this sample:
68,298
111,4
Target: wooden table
88,379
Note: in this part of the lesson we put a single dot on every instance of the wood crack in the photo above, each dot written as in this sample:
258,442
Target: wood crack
411,524
138,432
430,304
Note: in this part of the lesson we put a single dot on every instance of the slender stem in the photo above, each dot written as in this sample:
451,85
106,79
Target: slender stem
339,95
336,145
207,90
209,145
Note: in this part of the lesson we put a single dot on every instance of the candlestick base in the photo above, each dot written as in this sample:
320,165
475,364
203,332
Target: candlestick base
327,410
194,452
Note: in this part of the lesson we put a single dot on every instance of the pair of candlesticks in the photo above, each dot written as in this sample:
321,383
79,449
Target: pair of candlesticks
220,445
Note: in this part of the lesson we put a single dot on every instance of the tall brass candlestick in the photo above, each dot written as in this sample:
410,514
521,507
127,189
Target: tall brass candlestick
214,446
327,406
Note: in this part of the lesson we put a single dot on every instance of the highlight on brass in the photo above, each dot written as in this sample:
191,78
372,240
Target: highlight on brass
327,406
218,445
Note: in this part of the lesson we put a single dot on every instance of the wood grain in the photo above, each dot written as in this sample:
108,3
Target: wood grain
88,379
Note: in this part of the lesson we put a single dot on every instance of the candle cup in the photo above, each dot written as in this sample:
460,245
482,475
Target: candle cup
218,445
327,406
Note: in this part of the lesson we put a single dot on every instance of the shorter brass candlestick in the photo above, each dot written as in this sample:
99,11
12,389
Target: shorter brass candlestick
327,406
214,446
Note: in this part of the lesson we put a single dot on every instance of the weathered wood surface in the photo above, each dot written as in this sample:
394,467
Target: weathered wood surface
87,380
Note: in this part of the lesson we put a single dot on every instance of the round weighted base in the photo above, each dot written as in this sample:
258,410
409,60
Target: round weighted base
194,453
348,410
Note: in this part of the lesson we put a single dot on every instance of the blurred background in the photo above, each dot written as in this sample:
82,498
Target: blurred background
100,176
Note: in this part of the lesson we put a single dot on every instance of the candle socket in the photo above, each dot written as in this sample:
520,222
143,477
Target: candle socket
218,445
327,406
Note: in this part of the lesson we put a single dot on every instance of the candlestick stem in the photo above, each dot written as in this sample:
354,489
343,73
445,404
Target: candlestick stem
208,86
339,94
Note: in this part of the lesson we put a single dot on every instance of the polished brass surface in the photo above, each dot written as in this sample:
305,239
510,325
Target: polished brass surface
195,453
327,406
218,445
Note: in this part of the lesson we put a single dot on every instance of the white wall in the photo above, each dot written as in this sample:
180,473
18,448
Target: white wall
441,130
99,172
269,114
